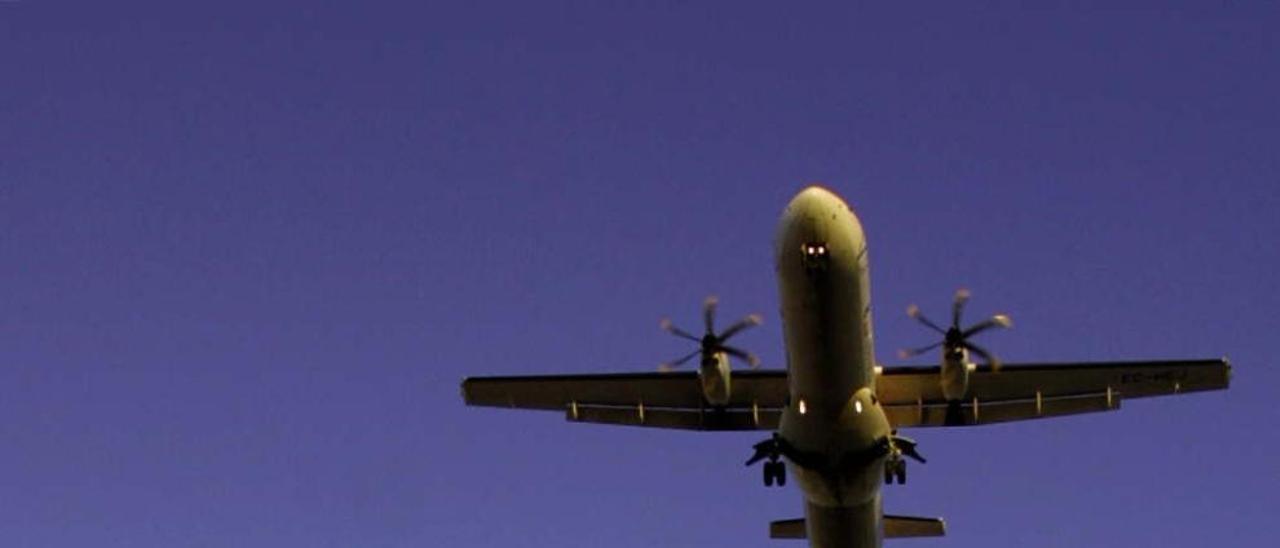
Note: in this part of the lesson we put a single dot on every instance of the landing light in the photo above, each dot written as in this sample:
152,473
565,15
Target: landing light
857,405
814,256
802,408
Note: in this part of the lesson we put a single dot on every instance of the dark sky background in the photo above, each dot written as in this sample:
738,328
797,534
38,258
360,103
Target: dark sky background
247,253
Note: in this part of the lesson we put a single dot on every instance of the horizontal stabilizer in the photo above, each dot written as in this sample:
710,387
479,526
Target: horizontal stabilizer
894,527
787,528
910,526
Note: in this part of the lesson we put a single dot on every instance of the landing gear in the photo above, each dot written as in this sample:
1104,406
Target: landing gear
771,451
895,469
775,472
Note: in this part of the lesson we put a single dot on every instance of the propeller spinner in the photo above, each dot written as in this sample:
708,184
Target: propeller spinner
711,343
956,339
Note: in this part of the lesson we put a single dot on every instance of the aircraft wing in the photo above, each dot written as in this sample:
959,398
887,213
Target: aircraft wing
912,396
659,400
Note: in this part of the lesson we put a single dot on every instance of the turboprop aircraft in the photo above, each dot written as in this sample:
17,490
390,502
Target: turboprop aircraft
834,413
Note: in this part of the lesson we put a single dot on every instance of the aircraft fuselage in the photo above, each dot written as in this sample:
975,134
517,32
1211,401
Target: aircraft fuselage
833,422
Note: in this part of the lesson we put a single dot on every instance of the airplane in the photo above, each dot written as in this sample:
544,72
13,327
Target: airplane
834,412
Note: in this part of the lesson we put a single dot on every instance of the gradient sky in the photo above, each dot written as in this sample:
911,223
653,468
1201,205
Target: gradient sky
247,253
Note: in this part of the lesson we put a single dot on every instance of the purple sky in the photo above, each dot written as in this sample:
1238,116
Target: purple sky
248,253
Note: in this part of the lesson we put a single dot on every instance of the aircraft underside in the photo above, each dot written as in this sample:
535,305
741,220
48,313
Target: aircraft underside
834,412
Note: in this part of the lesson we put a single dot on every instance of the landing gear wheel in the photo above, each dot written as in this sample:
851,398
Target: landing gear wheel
900,471
888,473
775,472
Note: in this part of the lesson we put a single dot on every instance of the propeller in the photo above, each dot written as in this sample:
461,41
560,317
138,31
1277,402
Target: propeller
956,338
711,343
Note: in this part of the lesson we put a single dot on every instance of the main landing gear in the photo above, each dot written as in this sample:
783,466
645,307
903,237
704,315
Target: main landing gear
775,471
895,469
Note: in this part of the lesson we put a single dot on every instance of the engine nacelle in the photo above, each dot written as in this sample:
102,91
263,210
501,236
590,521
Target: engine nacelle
955,374
714,374
955,344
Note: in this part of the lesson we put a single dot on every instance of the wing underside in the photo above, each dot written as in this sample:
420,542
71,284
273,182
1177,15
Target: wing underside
658,400
912,396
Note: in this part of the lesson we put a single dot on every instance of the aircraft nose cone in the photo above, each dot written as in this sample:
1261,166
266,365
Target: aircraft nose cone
815,208
817,216
812,200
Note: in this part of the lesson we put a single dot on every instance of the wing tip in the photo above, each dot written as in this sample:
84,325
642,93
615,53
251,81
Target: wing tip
462,390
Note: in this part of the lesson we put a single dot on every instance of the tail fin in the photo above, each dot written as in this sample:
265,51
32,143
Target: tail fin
894,527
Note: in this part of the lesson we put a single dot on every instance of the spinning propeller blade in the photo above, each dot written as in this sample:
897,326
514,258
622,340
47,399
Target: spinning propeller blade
710,343
956,338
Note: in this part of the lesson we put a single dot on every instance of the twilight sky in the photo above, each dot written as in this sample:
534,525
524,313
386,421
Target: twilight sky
247,253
